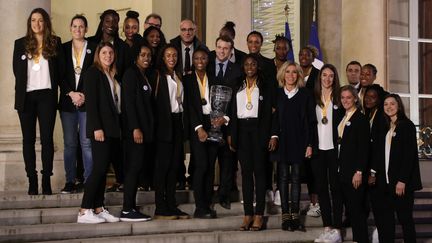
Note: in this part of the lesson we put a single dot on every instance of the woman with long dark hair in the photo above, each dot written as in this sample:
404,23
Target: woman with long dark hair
103,102
154,38
324,164
253,134
169,108
395,173
79,55
38,66
138,124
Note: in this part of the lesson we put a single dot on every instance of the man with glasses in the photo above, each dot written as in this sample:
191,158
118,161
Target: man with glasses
153,19
186,43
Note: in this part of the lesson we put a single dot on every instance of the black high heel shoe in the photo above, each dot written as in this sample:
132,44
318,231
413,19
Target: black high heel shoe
46,185
295,222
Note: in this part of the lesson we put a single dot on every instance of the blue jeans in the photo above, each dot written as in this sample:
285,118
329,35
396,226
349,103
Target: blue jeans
73,122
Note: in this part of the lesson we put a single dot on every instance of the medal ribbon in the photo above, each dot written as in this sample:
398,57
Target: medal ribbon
37,55
346,118
249,91
202,85
373,117
77,55
326,103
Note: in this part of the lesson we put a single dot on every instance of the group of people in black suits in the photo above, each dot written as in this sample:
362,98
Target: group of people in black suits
143,98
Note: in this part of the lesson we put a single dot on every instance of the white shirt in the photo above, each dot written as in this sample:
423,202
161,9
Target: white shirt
291,93
183,54
38,80
388,140
176,107
83,54
232,56
325,131
118,91
242,100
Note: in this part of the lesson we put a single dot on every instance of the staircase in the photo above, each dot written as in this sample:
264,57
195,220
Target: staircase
52,218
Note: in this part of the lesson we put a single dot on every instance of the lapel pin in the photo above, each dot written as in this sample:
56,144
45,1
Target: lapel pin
348,123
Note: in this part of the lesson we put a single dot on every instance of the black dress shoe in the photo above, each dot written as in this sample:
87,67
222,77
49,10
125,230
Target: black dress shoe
225,204
286,221
46,185
204,214
33,185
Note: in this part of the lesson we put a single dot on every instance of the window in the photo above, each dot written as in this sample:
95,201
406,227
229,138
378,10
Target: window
410,56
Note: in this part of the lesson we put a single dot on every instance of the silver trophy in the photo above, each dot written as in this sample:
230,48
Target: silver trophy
220,96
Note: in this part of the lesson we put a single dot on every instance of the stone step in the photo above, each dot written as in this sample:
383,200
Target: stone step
270,235
63,231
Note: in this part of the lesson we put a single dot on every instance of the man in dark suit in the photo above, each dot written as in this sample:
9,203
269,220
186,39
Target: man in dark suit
228,74
185,44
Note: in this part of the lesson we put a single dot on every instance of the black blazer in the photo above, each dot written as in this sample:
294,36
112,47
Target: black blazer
163,119
267,120
122,55
101,110
19,62
137,107
403,161
268,69
231,76
192,93
313,75
354,146
68,83
177,43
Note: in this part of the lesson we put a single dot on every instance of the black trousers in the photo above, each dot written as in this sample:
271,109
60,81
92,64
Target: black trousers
226,159
309,176
324,167
285,172
252,160
39,105
384,205
354,203
136,159
204,156
103,154
169,156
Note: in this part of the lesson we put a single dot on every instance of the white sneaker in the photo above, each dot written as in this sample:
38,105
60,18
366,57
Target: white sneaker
314,210
333,236
375,236
277,198
269,196
89,218
107,216
323,236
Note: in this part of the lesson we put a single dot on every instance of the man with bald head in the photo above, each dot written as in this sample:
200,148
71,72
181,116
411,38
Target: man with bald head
186,43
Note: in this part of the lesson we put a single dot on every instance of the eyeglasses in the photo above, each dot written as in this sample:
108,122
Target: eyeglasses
187,30
154,25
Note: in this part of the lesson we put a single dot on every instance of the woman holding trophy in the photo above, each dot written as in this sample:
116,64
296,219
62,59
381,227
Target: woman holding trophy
197,90
252,132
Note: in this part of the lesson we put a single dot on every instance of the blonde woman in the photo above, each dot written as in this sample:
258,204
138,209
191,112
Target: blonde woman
297,121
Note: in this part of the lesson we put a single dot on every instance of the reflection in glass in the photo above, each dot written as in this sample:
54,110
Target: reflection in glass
425,70
398,18
425,19
406,103
425,111
398,66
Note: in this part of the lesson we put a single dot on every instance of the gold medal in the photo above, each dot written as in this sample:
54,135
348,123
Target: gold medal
249,106
203,101
324,120
77,70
